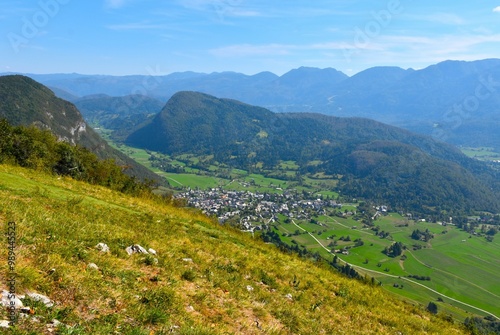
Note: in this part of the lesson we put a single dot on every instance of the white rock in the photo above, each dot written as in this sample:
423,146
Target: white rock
152,251
289,296
102,247
6,302
190,308
40,297
187,260
4,324
92,266
56,322
249,288
136,249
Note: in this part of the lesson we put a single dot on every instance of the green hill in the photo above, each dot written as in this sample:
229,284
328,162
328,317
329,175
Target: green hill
23,101
376,161
204,279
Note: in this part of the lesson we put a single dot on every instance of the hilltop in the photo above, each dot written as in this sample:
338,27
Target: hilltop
24,101
372,160
201,278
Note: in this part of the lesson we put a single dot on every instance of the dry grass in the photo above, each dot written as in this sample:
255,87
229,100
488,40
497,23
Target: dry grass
59,222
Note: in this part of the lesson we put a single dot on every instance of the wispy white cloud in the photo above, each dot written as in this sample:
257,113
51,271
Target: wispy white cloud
445,18
392,47
223,8
421,51
446,44
496,9
245,50
136,26
115,3
441,18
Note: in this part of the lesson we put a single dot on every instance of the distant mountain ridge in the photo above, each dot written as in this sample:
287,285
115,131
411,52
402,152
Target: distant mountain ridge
24,101
419,100
377,161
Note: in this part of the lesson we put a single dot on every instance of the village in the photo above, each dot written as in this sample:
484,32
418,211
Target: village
254,210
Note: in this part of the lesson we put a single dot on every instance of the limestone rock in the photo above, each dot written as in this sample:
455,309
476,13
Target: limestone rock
6,302
102,247
92,266
136,249
40,297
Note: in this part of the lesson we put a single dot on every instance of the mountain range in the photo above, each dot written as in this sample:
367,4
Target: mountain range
454,101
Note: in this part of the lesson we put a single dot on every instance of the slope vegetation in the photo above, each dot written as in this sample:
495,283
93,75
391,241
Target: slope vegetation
23,101
204,278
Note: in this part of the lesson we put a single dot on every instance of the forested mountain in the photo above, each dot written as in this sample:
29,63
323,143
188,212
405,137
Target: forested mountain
23,101
423,100
377,161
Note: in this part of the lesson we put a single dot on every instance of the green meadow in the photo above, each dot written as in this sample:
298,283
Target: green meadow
460,266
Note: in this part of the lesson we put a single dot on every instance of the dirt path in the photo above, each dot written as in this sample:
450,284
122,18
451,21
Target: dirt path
175,181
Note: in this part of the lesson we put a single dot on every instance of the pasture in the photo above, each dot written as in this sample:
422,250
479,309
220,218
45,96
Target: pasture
460,266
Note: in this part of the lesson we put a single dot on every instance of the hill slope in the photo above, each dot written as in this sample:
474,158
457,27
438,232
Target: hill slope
23,101
205,278
379,162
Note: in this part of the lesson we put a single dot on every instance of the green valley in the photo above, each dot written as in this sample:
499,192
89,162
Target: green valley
462,267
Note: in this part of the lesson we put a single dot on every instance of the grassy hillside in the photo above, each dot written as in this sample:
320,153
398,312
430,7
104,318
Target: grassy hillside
205,279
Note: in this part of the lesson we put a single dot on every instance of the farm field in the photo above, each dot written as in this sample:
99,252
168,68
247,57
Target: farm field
481,153
221,176
460,266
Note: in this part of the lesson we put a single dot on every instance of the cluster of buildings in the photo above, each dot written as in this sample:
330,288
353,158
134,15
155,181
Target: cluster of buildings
253,210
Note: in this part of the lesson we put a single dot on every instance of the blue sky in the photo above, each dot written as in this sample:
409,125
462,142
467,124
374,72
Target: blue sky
121,37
